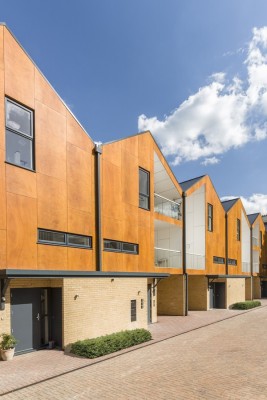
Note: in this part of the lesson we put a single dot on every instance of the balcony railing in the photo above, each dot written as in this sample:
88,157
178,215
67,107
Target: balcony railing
245,266
167,207
255,241
256,267
195,261
165,258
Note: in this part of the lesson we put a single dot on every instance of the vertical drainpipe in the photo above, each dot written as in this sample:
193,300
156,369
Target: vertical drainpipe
98,152
185,275
251,263
226,244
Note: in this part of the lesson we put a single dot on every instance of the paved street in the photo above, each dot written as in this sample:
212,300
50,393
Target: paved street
224,360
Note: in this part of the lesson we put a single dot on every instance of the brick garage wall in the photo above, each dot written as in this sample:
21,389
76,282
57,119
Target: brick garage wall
94,307
198,293
171,296
235,290
5,315
256,287
249,284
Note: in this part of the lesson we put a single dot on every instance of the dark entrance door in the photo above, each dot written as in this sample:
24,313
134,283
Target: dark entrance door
217,295
26,318
149,313
264,289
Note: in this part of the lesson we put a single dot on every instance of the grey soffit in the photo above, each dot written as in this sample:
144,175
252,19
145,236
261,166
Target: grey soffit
29,273
252,218
227,204
188,184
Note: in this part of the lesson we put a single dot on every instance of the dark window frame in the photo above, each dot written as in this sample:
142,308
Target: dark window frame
66,239
146,195
133,310
218,260
30,138
121,250
210,217
232,262
238,229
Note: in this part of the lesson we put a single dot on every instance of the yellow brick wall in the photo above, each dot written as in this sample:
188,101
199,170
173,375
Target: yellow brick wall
256,287
5,317
103,306
198,293
171,296
249,284
154,313
235,290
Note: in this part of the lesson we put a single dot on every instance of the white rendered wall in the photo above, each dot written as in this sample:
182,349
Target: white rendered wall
195,229
245,243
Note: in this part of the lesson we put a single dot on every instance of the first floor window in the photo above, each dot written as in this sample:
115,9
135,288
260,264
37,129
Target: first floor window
144,189
210,217
19,135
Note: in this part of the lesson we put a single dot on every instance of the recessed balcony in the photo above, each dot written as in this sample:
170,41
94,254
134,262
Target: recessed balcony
165,258
167,207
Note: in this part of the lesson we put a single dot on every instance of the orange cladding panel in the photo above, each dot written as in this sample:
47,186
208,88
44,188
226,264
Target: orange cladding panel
19,72
21,232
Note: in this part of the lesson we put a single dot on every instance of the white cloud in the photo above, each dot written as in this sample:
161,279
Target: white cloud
253,204
210,161
221,115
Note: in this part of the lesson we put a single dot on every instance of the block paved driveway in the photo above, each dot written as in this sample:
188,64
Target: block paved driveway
223,360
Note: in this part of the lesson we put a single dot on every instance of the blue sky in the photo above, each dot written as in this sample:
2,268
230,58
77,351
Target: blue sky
193,72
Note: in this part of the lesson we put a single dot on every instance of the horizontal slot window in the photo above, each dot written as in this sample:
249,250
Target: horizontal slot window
232,261
218,260
64,239
120,247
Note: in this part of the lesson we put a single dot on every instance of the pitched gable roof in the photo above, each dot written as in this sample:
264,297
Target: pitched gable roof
188,184
252,217
227,204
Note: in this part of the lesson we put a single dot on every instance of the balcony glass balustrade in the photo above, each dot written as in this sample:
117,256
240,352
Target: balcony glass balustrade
167,207
165,258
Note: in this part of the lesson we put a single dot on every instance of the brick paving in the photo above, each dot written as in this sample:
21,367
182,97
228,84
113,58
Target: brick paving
224,360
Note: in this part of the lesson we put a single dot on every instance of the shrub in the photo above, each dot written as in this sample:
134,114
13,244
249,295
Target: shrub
245,305
8,341
92,348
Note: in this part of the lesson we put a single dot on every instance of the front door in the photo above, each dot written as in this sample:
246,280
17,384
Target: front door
219,297
26,318
264,289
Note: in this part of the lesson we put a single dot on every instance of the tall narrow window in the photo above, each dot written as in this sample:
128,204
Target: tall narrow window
133,310
19,135
260,238
144,189
210,217
238,231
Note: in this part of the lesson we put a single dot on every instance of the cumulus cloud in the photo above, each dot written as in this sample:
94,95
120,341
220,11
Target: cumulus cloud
224,114
210,161
253,204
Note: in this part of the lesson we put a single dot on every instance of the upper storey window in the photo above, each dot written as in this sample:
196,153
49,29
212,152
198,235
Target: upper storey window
144,189
19,135
238,229
210,217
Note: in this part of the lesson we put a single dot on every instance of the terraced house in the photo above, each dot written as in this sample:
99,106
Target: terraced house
63,277
95,238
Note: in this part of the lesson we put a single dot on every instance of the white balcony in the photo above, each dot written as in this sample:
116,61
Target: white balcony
195,261
166,258
167,207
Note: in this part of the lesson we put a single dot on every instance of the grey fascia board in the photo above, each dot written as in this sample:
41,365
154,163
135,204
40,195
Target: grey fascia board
227,276
17,273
